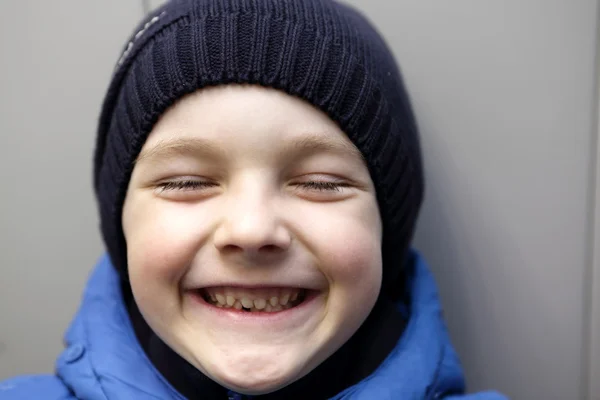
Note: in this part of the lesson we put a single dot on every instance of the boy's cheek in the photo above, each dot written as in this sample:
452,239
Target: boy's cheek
346,244
355,273
161,242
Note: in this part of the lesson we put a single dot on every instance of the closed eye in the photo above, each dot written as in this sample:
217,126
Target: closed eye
323,186
184,185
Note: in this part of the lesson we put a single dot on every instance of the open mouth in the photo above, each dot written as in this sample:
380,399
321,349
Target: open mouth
254,300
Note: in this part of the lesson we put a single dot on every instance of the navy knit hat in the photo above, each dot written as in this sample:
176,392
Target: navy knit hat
319,50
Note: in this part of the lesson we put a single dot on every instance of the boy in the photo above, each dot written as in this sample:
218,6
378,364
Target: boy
258,176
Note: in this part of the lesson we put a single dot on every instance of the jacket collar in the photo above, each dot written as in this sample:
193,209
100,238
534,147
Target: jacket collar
103,359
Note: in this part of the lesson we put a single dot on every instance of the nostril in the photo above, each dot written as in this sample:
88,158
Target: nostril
271,248
251,237
261,255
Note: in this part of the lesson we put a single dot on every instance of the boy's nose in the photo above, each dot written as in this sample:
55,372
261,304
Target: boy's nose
252,229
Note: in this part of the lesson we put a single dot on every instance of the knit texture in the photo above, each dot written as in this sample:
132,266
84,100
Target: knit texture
319,50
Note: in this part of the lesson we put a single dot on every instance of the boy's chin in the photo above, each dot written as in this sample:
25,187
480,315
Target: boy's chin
256,375
254,382
254,385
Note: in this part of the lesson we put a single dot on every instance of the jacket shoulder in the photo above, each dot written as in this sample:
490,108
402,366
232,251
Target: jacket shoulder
47,387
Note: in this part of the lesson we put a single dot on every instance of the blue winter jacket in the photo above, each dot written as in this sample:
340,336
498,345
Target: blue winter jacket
103,360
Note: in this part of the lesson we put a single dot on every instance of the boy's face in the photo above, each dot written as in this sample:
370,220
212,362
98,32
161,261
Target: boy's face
246,198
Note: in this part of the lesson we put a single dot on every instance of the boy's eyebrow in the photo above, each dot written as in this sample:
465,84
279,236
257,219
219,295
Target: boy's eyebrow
200,147
315,143
197,147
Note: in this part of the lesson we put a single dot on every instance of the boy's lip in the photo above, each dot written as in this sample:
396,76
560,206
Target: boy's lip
261,286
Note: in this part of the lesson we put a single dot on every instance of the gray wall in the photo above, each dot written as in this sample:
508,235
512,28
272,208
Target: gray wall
505,96
55,61
504,93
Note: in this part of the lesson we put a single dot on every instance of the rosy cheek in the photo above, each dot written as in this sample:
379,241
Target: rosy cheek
357,263
162,240
350,256
347,245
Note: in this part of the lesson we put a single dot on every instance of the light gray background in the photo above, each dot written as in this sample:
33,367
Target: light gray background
506,96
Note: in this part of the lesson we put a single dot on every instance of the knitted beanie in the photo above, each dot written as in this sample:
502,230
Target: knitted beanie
319,50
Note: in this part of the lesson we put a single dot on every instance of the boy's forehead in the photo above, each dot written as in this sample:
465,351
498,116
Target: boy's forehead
216,121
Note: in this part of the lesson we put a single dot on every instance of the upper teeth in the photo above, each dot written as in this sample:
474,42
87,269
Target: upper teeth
267,300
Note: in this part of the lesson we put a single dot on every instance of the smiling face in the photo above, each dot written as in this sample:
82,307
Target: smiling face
253,236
